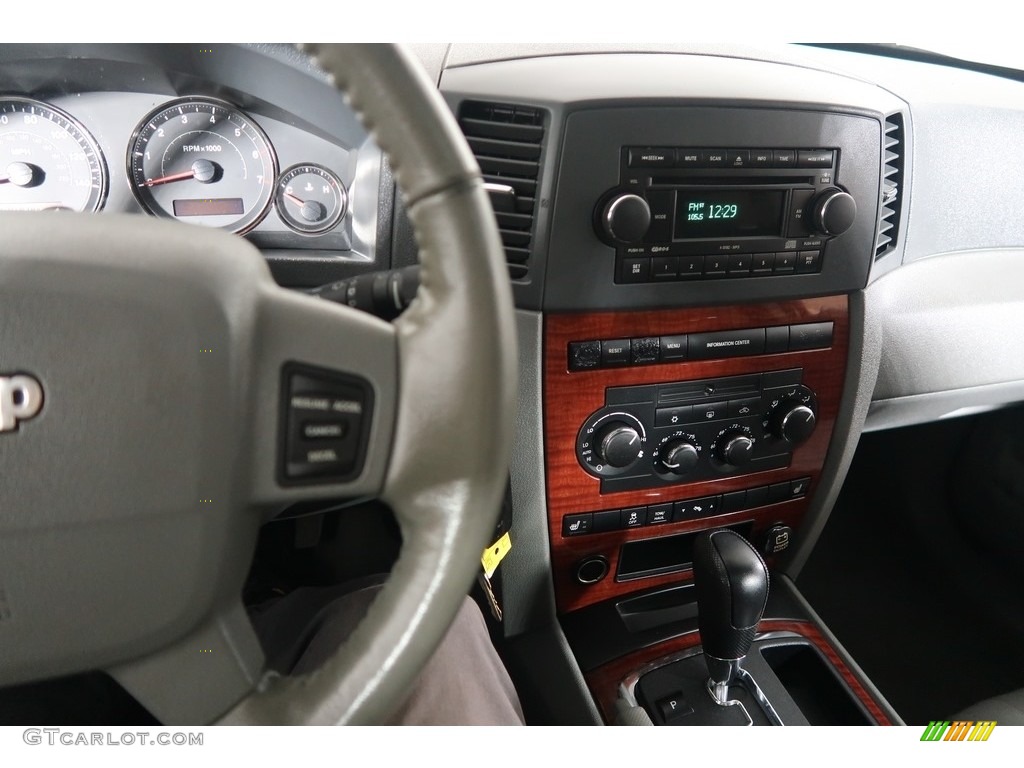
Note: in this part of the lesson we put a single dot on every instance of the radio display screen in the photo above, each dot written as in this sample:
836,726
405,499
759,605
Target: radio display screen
724,213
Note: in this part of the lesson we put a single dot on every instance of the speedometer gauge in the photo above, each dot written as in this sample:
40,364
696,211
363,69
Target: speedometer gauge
47,160
203,161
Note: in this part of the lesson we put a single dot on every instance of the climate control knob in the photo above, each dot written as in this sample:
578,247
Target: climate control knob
735,448
793,422
625,219
679,457
833,212
619,445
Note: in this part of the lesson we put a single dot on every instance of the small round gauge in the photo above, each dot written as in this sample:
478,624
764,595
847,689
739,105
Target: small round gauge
310,198
203,161
47,160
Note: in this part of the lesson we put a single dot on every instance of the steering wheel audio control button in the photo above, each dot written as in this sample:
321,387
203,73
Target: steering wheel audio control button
326,419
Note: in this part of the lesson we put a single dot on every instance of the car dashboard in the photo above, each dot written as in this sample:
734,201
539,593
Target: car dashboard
728,263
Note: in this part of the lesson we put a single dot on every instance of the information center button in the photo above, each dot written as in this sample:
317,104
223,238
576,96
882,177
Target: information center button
707,346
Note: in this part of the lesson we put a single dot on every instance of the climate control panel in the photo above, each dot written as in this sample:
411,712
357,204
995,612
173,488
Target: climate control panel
651,436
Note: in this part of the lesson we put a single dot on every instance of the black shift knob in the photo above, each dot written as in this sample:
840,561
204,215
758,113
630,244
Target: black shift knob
732,589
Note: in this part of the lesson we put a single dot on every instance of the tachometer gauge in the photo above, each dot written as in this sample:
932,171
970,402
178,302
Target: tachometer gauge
47,160
203,161
310,198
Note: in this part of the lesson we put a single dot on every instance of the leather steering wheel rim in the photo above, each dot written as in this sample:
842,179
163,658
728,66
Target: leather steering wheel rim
448,466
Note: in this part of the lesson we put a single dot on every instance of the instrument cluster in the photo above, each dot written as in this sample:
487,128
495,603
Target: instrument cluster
197,159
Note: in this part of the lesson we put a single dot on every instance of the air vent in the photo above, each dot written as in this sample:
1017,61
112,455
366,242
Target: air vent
892,187
507,141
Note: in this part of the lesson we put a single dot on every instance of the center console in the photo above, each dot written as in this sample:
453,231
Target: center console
692,260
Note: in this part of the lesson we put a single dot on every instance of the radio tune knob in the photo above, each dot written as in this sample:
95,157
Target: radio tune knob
833,212
680,457
618,445
793,422
625,219
735,449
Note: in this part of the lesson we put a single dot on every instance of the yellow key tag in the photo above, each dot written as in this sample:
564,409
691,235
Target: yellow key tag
494,554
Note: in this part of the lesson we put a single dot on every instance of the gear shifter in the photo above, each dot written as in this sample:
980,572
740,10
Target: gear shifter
732,589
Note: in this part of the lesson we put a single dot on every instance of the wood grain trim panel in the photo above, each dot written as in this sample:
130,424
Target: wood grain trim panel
570,397
604,681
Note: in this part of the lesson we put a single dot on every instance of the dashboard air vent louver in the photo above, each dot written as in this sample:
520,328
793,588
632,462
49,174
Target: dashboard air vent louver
507,141
892,186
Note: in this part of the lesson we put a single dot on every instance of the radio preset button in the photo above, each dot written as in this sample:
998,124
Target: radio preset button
690,267
715,266
784,263
739,265
664,267
762,263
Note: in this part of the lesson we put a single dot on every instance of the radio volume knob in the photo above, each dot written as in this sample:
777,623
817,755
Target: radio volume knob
619,445
833,212
625,219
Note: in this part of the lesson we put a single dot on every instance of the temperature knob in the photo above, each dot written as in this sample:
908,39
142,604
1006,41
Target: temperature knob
735,448
793,422
619,445
833,212
679,457
625,219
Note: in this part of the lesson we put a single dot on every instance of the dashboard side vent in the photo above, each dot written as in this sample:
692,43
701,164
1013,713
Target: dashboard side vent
507,141
892,186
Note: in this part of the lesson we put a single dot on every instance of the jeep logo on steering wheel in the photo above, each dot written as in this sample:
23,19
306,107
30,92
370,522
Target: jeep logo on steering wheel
21,398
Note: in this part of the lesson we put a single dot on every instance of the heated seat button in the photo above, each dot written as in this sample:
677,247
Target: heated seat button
810,336
577,525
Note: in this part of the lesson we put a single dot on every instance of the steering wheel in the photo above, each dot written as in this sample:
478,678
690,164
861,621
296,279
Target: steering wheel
146,371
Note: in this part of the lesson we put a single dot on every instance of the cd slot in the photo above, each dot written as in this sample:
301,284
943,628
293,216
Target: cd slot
728,180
